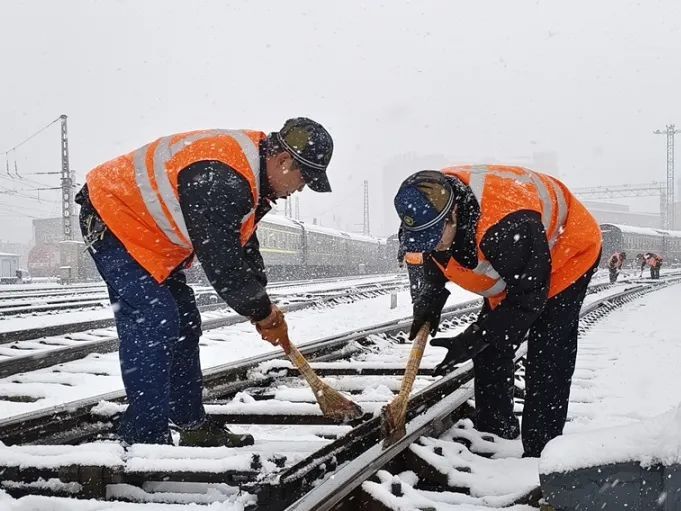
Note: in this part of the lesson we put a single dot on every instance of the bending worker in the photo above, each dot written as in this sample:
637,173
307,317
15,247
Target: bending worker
146,215
522,241
652,260
615,264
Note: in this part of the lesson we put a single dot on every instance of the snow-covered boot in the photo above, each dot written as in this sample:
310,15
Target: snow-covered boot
212,433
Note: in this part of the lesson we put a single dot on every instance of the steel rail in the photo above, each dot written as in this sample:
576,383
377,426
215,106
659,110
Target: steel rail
229,377
434,420
41,359
429,414
38,332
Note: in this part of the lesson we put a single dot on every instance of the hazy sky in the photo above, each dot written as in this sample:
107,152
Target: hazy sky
393,80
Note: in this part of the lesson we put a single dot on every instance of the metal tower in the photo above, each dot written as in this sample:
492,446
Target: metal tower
366,230
66,184
670,131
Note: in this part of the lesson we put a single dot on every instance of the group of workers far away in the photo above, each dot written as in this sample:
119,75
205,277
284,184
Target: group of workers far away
617,259
516,237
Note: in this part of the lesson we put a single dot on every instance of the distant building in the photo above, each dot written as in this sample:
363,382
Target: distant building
51,256
9,264
609,213
49,230
21,249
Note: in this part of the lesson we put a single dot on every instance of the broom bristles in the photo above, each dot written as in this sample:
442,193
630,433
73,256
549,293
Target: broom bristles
332,403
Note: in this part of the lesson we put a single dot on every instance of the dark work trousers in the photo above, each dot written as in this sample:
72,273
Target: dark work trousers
550,363
159,327
614,272
655,271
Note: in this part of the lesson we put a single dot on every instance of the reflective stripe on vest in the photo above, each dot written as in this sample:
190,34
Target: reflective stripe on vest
173,226
477,184
485,268
478,176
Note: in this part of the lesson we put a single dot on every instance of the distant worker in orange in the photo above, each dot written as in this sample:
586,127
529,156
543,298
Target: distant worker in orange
615,264
654,261
529,247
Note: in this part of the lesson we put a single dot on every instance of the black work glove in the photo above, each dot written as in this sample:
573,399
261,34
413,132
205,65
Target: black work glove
460,348
427,309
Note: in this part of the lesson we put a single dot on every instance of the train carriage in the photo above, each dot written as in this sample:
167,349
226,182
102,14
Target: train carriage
326,249
671,245
282,241
637,240
291,250
364,253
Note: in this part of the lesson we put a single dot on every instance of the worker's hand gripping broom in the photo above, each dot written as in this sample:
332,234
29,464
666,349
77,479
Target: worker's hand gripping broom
394,414
333,404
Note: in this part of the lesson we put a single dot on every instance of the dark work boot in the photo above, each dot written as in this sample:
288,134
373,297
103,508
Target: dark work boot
212,433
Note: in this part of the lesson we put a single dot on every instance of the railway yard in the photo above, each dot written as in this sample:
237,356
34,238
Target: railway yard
61,397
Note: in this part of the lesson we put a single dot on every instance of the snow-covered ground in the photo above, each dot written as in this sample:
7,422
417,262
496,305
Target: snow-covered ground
98,374
627,376
626,380
14,324
626,371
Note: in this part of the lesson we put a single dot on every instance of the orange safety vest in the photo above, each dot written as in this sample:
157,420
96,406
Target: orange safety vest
653,260
137,194
616,261
573,234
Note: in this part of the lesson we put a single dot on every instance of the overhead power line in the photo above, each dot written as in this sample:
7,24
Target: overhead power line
618,191
31,136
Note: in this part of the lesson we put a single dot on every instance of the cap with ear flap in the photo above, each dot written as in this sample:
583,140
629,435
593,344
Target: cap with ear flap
311,146
423,203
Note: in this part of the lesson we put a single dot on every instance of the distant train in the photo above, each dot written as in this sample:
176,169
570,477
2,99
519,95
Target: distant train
633,240
291,250
638,240
290,247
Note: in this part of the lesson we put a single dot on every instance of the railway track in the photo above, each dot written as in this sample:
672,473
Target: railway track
23,356
84,297
300,460
206,300
74,289
52,348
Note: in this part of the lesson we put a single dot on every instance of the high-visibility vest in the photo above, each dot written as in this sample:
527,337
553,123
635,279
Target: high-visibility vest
137,194
616,261
653,260
574,236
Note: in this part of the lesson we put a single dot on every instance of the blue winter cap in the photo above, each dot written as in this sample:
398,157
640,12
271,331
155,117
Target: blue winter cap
423,203
311,146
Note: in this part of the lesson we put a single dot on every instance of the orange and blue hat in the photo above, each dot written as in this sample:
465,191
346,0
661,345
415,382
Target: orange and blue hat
423,202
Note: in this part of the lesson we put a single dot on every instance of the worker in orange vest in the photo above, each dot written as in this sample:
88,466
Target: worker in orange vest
654,261
615,264
522,241
145,215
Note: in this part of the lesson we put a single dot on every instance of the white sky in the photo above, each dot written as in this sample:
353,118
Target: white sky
393,82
